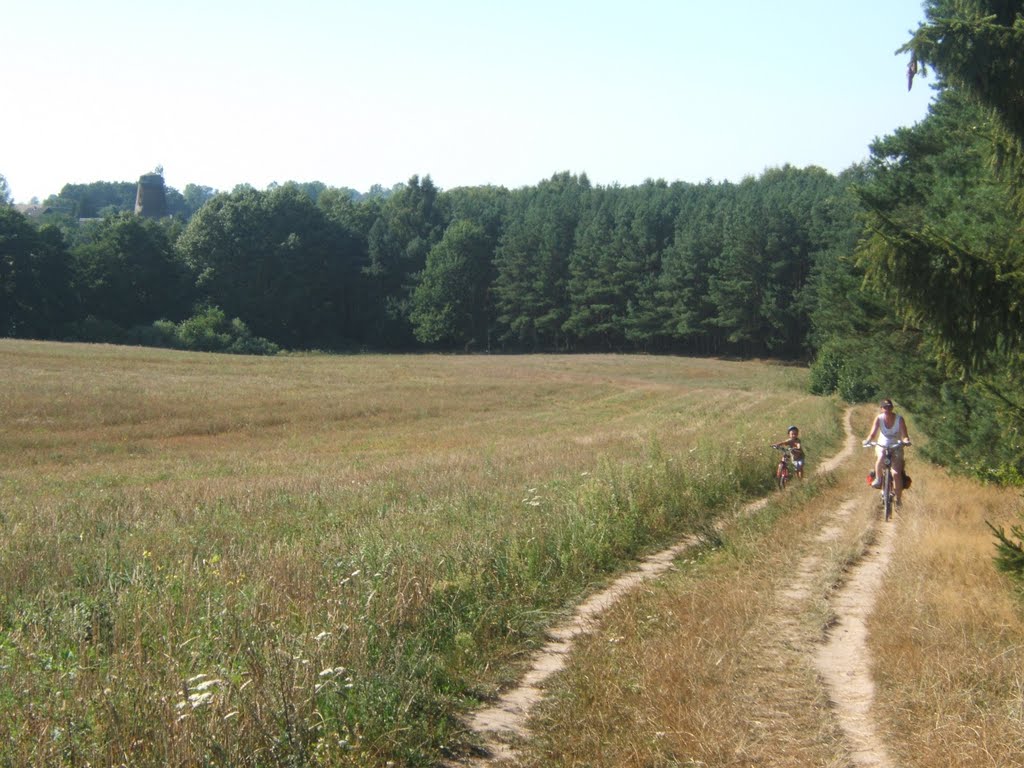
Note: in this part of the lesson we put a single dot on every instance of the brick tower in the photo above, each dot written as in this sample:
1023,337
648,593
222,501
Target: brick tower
151,200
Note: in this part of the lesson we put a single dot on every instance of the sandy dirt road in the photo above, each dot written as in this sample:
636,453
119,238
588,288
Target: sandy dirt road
842,661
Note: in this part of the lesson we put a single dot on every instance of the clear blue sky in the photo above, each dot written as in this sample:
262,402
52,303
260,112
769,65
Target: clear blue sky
223,92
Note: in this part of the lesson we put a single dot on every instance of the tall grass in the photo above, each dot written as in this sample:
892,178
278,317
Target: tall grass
714,664
948,635
702,668
308,560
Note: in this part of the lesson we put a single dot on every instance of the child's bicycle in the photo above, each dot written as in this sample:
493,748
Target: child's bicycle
783,471
888,489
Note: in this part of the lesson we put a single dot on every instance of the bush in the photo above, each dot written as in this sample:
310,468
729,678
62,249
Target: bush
210,331
825,371
204,331
1010,551
844,367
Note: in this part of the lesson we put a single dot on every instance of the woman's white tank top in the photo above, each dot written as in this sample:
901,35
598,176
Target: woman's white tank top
889,435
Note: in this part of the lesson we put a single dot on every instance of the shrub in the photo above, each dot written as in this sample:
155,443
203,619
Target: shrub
210,331
843,367
1010,551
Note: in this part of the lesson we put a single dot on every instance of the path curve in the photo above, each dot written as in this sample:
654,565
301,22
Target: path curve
505,722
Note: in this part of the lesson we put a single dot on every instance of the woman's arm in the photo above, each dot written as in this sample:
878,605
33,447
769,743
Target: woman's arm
874,430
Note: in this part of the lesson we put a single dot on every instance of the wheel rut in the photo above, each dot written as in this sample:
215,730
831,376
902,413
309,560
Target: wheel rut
842,661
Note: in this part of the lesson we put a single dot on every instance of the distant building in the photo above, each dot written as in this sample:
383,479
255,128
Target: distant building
151,198
32,210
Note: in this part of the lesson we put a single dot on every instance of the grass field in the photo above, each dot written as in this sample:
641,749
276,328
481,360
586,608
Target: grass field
714,664
320,560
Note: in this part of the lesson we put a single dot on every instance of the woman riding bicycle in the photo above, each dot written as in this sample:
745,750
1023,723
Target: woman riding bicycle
887,430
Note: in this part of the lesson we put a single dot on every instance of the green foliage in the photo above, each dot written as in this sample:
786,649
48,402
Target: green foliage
944,245
35,278
89,201
845,367
943,237
707,269
209,330
449,305
278,261
184,205
532,262
1009,556
126,272
411,222
975,47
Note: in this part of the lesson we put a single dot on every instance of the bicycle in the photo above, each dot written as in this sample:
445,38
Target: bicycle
782,470
888,489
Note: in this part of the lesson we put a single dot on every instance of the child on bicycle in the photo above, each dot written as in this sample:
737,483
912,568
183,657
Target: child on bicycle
796,449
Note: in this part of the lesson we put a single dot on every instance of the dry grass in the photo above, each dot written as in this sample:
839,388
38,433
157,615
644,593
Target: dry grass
948,633
714,665
322,560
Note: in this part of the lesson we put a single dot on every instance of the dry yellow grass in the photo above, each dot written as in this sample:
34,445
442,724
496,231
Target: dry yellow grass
948,634
264,522
78,411
715,664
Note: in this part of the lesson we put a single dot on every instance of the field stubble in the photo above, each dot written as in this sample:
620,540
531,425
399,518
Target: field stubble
318,560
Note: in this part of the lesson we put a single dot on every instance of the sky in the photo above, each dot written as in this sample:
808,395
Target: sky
469,92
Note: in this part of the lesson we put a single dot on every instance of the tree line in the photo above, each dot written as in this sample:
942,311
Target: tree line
560,266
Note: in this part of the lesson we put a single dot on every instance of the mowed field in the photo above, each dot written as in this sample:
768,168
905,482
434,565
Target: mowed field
325,560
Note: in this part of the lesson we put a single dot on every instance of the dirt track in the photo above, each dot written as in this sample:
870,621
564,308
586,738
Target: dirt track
842,661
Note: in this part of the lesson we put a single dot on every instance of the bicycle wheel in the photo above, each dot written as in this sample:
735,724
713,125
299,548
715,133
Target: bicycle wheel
887,494
782,477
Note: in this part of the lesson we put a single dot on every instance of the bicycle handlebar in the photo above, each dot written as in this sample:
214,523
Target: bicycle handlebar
875,443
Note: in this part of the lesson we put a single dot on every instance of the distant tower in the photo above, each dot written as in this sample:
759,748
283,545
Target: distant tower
151,200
